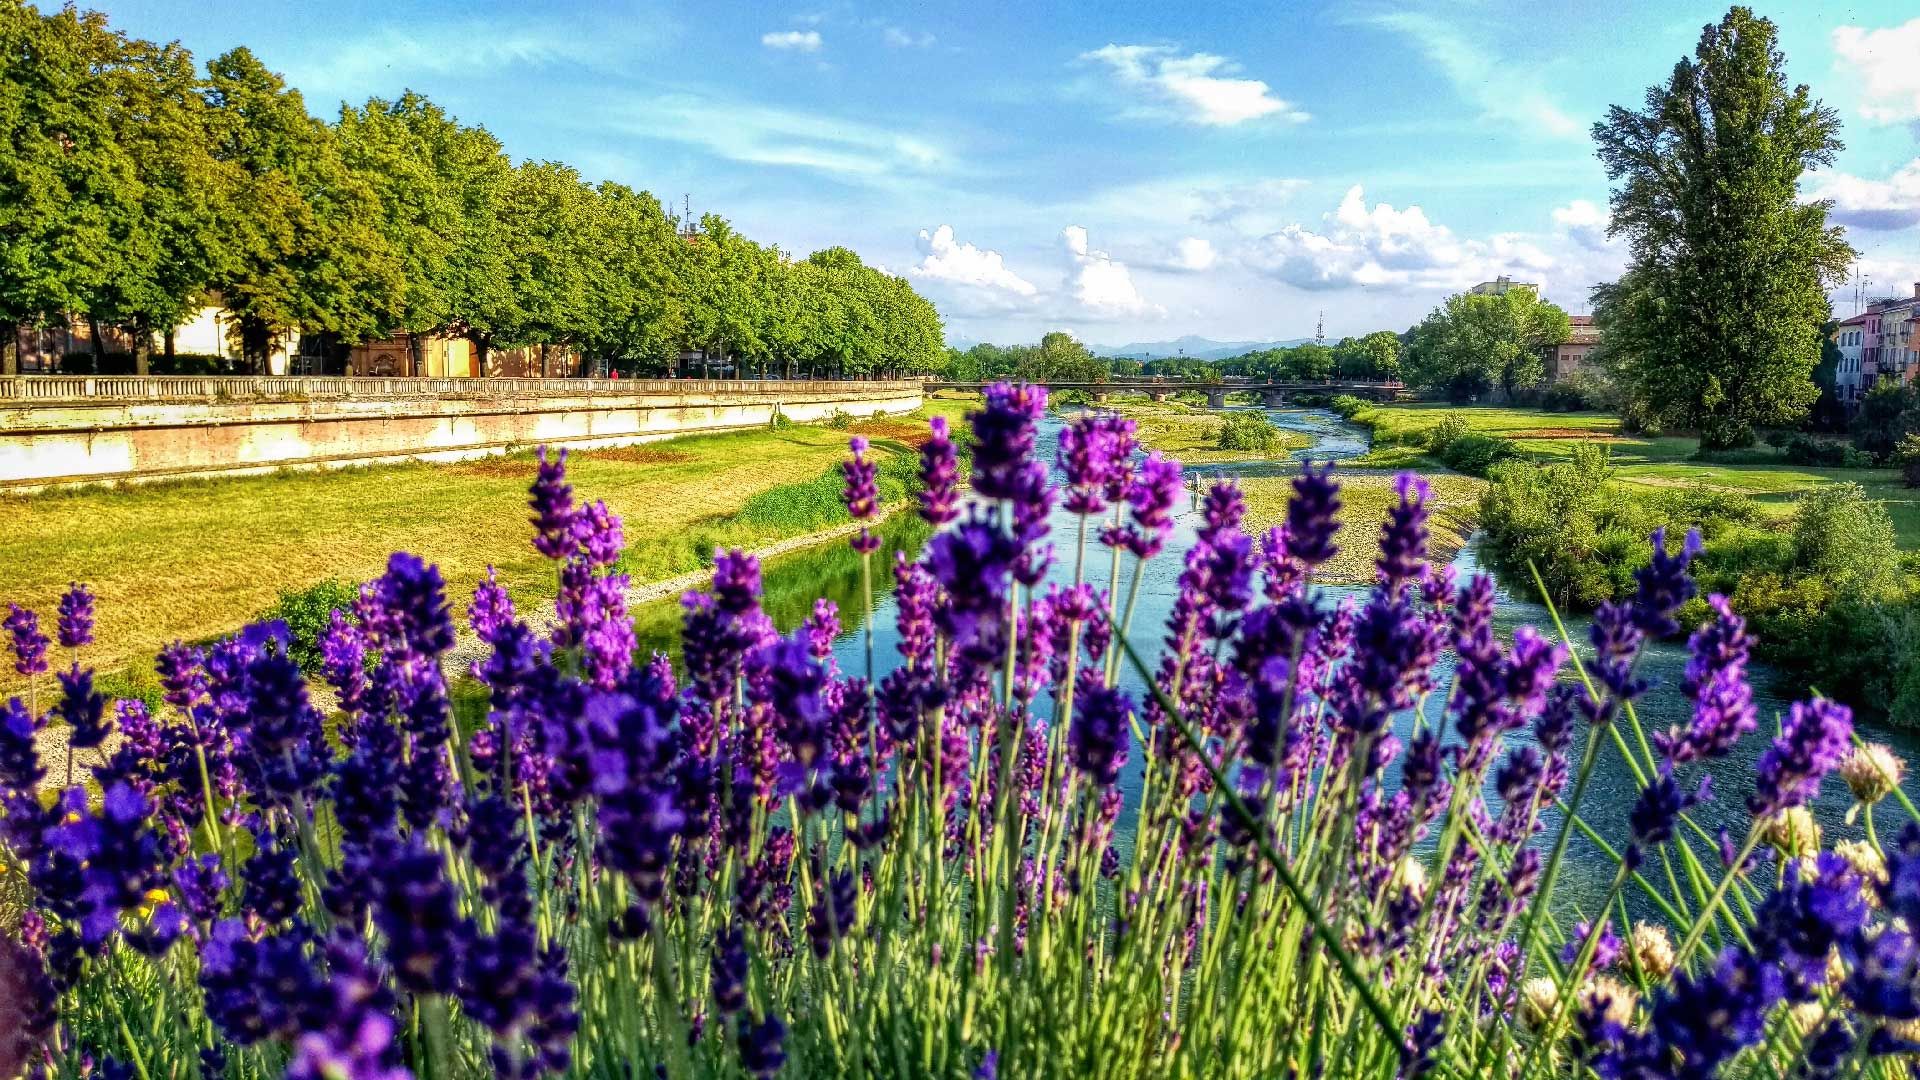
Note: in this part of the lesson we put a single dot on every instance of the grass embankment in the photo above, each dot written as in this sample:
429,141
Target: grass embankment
1454,504
1643,463
1193,434
192,560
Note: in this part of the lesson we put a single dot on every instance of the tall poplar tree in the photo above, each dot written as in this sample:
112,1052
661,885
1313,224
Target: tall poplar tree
1716,324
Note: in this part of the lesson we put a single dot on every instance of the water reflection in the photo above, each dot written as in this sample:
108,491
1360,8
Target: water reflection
833,570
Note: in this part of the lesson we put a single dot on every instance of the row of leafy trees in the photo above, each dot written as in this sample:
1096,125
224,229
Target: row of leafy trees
138,187
1372,356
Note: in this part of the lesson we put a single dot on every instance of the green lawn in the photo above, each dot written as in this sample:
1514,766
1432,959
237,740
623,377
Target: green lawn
195,559
1647,462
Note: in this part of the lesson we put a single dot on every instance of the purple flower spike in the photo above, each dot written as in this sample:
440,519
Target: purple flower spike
492,608
761,1053
29,644
551,500
76,617
1814,740
939,475
861,494
1723,710
598,532
1403,537
1664,585
1003,433
1153,497
1093,450
1312,516
1097,741
736,582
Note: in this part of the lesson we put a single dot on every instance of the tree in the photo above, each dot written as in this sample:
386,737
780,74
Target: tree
68,193
641,303
1716,325
1375,356
1472,343
302,249
441,188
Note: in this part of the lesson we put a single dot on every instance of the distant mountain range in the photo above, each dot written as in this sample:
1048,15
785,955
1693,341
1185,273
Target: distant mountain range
1192,346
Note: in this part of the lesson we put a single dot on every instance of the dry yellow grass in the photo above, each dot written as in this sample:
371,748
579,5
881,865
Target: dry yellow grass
196,559
1455,505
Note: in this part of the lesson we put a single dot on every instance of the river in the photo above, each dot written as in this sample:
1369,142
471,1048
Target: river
794,580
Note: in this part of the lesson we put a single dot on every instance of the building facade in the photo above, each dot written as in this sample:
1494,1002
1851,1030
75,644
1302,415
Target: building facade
1896,348
1572,355
1501,286
1850,378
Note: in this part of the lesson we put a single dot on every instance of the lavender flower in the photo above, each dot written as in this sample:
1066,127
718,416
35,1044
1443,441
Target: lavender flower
1153,497
1664,585
939,475
551,500
598,534
1403,536
1716,680
1097,741
1093,453
81,709
29,644
1003,434
492,608
76,616
760,1044
1813,741
1312,516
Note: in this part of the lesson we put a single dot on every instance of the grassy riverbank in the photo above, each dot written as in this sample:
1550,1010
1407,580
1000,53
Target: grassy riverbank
1192,434
1644,463
195,559
1454,504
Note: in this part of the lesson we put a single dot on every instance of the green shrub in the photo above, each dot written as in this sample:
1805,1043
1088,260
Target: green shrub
307,612
839,420
1802,449
1906,454
1476,452
1451,428
1248,431
1346,405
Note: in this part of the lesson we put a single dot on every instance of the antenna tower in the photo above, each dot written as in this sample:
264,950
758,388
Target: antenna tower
1320,329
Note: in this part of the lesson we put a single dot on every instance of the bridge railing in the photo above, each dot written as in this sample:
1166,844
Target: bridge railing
29,389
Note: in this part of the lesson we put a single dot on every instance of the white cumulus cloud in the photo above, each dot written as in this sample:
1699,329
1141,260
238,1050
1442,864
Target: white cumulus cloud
794,40
1101,284
1888,63
1193,253
946,259
1198,87
1585,222
1379,246
1893,203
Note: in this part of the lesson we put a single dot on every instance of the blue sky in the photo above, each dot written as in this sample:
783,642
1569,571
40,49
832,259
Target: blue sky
1125,171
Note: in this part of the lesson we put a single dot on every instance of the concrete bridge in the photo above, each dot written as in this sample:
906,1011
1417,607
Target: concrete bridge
1272,392
69,429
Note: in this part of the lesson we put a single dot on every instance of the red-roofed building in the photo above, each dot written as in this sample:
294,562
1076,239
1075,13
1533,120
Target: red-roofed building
1571,355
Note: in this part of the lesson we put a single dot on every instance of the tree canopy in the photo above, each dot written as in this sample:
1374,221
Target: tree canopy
137,187
1716,323
1473,343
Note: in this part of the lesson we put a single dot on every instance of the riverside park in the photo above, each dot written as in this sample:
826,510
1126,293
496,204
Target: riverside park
463,614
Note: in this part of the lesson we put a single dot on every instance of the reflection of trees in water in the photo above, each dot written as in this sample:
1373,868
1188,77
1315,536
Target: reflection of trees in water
793,581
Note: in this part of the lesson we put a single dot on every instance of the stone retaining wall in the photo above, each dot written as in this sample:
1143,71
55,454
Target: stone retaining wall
59,430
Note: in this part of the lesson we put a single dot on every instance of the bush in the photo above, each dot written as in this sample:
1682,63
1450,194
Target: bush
839,420
1906,454
1476,452
1803,449
1346,405
1451,427
307,612
1582,391
1248,431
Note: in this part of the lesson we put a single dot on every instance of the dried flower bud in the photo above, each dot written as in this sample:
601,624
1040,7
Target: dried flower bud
1652,950
1806,1017
1610,998
1410,876
1539,996
1872,771
1793,833
1867,862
